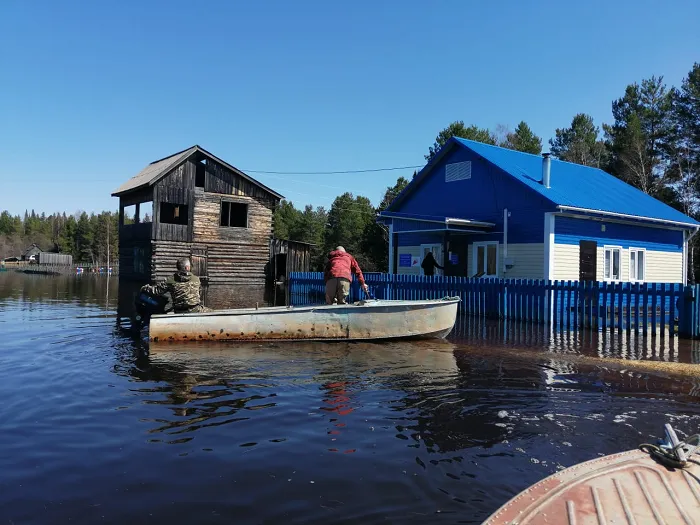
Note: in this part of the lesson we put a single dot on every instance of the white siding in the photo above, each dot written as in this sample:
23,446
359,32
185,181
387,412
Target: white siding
414,251
661,267
528,261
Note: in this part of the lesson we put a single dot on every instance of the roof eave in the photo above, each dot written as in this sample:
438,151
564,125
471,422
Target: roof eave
688,225
196,148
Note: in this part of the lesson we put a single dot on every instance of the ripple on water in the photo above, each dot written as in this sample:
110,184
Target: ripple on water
96,429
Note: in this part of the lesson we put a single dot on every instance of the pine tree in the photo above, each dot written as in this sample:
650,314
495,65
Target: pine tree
523,139
580,143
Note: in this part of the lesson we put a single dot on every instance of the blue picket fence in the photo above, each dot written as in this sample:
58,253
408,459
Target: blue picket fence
566,305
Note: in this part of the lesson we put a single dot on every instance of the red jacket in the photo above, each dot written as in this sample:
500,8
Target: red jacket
342,264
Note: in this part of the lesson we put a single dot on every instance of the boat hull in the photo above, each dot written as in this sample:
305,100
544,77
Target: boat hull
629,487
368,320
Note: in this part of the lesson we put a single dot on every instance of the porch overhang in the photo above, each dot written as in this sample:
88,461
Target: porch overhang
410,223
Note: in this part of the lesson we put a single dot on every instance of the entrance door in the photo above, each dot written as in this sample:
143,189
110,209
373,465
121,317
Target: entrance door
437,253
588,261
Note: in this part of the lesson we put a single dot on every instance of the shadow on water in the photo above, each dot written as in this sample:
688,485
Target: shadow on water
105,427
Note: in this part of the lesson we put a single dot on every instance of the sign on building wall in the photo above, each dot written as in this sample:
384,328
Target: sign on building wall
454,258
405,260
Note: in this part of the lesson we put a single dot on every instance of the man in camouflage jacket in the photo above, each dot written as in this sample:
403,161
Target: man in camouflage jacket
184,288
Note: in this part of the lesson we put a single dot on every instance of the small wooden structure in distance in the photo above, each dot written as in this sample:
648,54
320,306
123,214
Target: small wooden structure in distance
286,256
54,259
193,204
31,253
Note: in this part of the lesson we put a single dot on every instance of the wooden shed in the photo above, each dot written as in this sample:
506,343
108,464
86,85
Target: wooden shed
193,204
286,256
31,253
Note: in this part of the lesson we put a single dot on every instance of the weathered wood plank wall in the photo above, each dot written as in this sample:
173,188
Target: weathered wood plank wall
228,255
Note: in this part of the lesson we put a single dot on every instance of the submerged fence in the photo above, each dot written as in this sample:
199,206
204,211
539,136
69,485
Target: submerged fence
567,305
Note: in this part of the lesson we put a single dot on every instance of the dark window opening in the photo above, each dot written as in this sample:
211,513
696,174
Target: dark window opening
173,213
200,174
129,215
234,214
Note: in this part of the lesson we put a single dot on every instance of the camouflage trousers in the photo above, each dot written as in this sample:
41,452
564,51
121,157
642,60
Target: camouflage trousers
192,309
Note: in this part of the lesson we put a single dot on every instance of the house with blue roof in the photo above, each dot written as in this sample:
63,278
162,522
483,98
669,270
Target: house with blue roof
491,212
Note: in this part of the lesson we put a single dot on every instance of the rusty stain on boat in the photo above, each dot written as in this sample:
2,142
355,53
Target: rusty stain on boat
365,320
629,487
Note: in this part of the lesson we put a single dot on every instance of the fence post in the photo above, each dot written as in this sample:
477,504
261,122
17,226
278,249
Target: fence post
686,309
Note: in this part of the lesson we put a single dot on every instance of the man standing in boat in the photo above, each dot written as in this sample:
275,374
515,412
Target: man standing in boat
184,288
338,274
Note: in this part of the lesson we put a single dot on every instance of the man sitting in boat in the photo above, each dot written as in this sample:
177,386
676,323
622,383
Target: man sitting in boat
183,287
338,274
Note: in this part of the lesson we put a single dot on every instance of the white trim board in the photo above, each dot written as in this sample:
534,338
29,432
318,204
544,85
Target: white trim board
549,224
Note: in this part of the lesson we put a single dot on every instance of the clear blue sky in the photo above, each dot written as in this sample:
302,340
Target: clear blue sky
93,91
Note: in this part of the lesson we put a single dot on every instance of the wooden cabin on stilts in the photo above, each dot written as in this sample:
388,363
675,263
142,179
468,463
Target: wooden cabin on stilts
193,204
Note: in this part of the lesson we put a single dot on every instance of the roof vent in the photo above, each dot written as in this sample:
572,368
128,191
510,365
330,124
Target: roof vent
546,169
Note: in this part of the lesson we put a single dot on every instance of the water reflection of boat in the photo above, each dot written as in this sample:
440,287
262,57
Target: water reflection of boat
365,320
657,484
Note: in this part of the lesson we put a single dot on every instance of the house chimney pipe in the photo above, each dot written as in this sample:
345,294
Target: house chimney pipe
546,169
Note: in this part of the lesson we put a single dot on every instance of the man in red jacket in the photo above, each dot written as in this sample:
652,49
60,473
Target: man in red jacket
338,274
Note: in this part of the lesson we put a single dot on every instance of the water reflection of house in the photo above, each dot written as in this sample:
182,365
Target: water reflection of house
193,204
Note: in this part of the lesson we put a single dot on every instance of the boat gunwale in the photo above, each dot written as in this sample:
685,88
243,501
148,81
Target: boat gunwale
362,306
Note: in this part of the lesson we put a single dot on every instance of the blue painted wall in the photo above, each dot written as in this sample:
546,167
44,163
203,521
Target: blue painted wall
416,239
404,225
568,230
482,197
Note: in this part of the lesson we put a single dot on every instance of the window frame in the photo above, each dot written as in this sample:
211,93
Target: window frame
475,258
644,264
612,248
247,213
180,211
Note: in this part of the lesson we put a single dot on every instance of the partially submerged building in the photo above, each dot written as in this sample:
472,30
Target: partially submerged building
491,212
196,205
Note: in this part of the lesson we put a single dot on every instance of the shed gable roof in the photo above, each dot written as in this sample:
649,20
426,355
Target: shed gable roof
572,185
158,169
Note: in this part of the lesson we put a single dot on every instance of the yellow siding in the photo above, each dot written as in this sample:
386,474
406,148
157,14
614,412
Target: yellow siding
566,258
661,267
664,267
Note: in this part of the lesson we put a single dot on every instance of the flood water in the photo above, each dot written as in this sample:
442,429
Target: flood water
98,428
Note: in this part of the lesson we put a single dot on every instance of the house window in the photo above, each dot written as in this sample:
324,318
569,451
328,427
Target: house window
200,174
458,171
234,214
637,265
173,213
485,259
612,263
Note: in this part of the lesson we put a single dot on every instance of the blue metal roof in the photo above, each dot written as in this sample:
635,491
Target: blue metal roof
570,184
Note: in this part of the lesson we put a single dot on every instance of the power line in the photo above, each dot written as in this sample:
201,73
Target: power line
374,170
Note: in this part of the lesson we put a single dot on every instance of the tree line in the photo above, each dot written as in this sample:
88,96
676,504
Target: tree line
88,238
652,142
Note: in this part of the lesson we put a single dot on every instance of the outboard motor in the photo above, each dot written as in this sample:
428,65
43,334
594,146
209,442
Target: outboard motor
148,304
